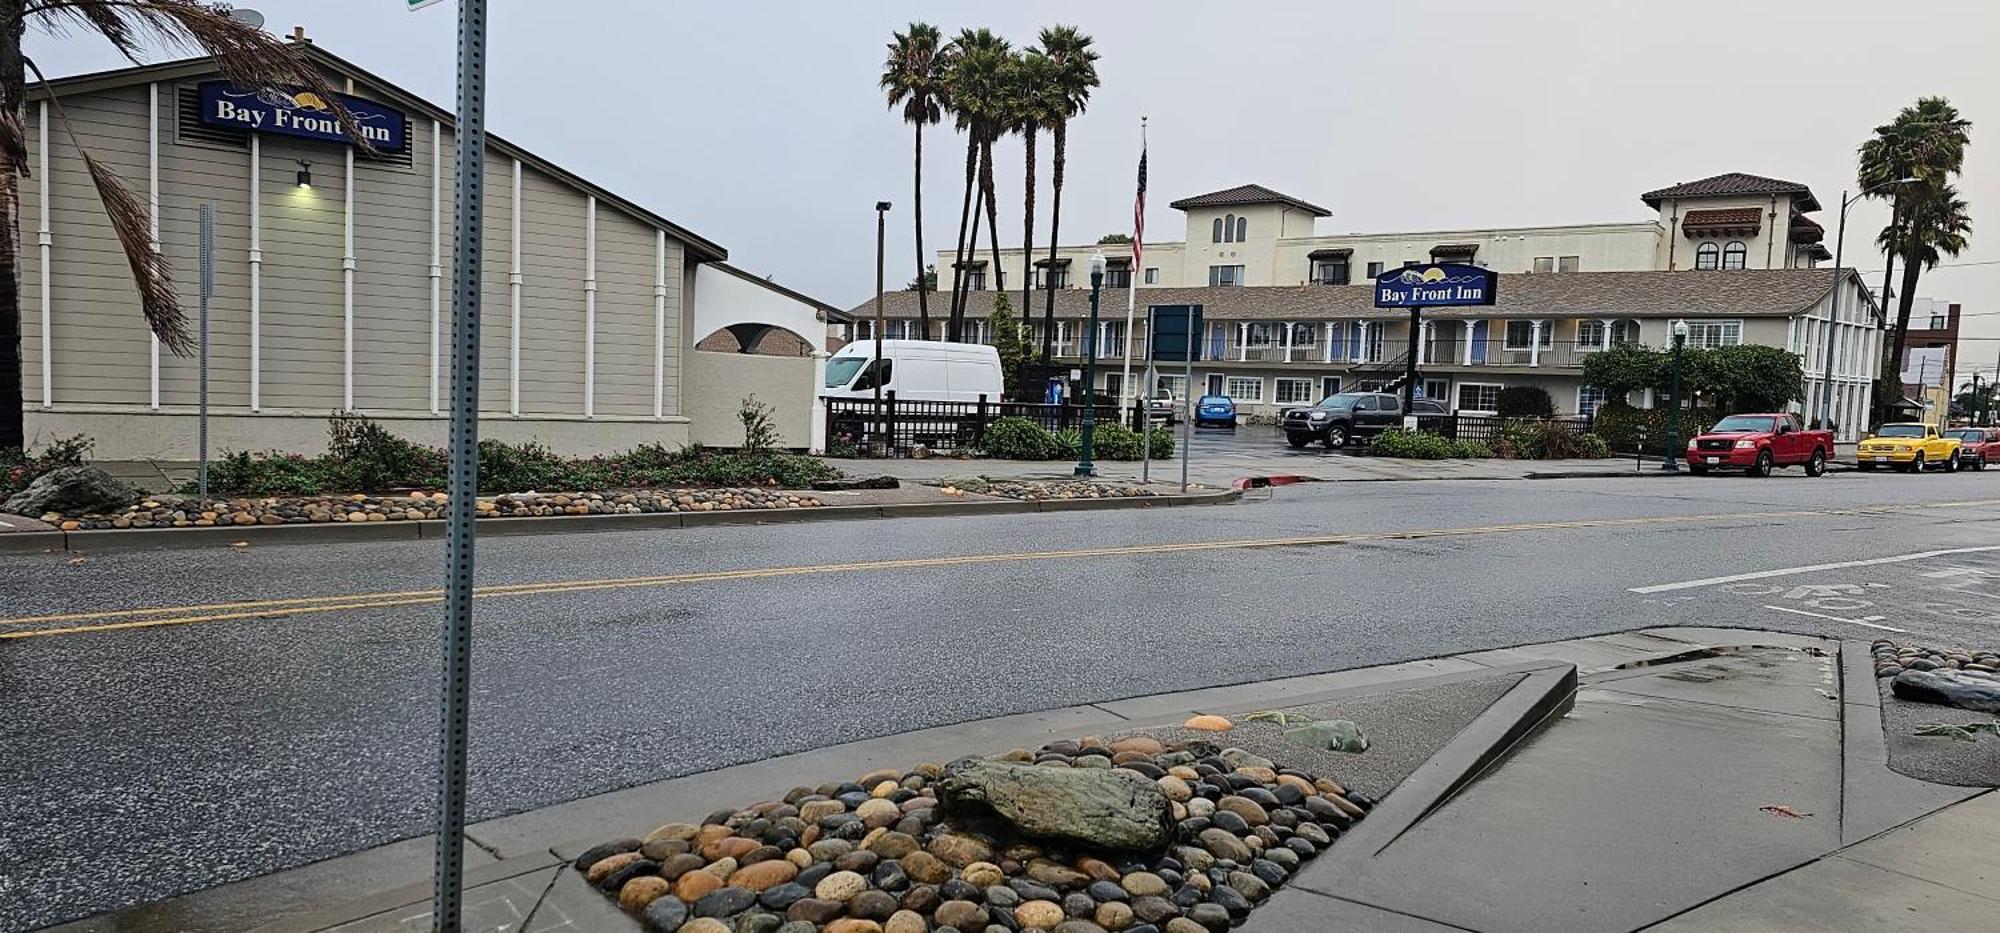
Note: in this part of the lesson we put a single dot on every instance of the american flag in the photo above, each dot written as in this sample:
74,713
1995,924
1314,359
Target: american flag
1139,216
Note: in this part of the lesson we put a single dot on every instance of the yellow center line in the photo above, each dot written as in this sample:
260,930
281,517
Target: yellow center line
121,619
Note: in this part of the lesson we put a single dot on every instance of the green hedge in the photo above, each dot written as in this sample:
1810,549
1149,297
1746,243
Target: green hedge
1017,438
1424,445
1545,440
1644,430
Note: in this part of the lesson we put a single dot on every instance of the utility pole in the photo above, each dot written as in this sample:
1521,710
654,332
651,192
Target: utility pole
880,367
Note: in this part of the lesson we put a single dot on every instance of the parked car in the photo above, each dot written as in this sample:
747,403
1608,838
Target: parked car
1163,406
1757,443
1215,409
1909,447
916,370
1345,417
1977,447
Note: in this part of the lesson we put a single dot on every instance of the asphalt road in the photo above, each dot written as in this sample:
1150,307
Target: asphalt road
165,750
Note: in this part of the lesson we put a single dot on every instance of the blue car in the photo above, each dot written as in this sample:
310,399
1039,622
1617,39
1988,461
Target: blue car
1215,409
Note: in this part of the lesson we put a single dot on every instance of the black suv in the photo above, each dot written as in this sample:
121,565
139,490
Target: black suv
1339,420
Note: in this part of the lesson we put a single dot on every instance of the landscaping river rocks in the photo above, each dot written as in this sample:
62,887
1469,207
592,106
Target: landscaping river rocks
170,512
1181,838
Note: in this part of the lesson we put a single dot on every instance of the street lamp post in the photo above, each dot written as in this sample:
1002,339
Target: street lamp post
1833,313
1674,452
1083,465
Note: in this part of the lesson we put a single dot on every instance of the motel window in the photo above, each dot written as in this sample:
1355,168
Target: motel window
1704,335
1568,263
1292,391
1215,231
1708,256
1545,264
1937,322
1733,255
1624,330
1225,275
1305,335
1242,229
1261,335
1589,399
1330,272
976,280
1329,385
1115,277
1177,385
1478,397
1152,275
1519,333
1244,388
1374,269
1229,228
1059,275
1114,384
1435,389
1589,334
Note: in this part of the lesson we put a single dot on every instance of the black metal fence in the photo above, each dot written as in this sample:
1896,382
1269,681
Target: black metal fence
1484,429
859,427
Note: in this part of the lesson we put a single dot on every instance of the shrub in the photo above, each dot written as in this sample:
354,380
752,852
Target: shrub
271,474
1425,445
1016,438
18,468
1070,442
370,458
760,434
1626,429
1547,440
1525,402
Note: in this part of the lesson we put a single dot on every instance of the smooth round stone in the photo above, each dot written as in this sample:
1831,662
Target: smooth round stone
705,925
1260,795
723,902
665,915
1230,821
906,921
1187,896
1288,794
965,915
757,921
1113,915
1229,899
1251,811
660,850
1284,818
893,845
1271,872
814,910
957,889
1142,928
1146,768
781,896
762,876
873,905
1031,891
925,868
982,874
889,876
696,885
1106,892
1286,858
826,850
1200,807
859,861
1249,885
1038,915
840,886
1000,895
1145,884
1078,904
1214,918
922,898
598,853
1300,847
1154,909
602,868
811,875
1078,925
1363,801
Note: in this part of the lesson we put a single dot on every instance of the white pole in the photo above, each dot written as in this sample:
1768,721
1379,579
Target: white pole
153,213
256,274
46,241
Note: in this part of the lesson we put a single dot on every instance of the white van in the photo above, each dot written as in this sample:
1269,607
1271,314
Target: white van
917,371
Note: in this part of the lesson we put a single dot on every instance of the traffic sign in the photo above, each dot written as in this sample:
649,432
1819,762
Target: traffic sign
1175,333
416,5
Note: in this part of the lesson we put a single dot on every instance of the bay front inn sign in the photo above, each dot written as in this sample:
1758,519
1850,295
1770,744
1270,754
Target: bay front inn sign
302,114
1436,285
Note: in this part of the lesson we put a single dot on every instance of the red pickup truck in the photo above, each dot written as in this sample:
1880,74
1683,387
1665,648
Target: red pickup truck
1757,443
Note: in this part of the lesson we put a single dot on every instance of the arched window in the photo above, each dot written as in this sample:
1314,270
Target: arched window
1215,233
1229,228
1709,256
1242,229
1733,255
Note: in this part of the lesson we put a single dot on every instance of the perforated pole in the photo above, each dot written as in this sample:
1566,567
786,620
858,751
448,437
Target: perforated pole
469,163
201,383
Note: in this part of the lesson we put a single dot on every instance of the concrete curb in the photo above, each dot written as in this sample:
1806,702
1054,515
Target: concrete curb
28,542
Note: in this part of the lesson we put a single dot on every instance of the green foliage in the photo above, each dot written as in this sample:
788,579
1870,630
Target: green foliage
369,458
1110,238
1424,445
18,468
1011,342
271,474
1526,402
1626,429
1015,438
760,434
1626,368
1751,378
1547,440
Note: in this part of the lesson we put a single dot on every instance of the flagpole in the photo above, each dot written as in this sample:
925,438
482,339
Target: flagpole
1132,302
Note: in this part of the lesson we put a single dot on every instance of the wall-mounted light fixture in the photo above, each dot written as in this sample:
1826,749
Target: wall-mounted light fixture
305,174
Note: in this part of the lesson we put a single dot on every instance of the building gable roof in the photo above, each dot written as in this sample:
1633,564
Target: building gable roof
1731,184
701,248
1247,194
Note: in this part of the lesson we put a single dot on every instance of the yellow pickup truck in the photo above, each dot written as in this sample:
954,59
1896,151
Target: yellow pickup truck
1908,447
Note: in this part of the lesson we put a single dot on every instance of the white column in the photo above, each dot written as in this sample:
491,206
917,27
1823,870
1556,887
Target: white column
1469,331
660,329
1604,339
1534,343
46,242
256,273
1329,326
153,212
1285,339
1361,343
514,301
1424,344
590,306
437,265
347,278
1243,340
818,430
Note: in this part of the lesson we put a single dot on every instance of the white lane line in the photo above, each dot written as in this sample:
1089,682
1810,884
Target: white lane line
1814,568
1802,612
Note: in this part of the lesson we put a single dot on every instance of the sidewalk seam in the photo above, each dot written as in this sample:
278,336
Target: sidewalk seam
1843,856
1389,910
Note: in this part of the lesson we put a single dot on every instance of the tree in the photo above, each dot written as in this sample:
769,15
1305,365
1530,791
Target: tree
928,280
1926,142
914,77
1032,105
1525,402
1110,239
245,54
976,90
1749,377
1076,75
1011,343
1625,368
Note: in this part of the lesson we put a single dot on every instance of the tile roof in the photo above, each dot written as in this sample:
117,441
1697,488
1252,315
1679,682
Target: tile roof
1454,249
1723,220
1733,293
1247,194
1730,184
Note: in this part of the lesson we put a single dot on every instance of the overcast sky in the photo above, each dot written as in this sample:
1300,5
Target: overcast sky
760,126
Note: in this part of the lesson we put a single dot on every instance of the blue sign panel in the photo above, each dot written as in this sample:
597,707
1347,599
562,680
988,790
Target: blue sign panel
1175,332
302,113
1437,285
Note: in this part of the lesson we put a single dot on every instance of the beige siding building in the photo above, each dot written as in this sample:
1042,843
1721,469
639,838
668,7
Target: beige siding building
331,292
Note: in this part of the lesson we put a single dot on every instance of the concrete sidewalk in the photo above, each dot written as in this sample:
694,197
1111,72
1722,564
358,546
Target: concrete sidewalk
1620,782
1219,471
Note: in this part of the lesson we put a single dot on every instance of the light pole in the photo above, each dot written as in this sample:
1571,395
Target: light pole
1083,465
1674,452
880,368
1833,313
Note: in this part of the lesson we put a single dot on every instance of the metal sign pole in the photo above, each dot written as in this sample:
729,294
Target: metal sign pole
201,384
469,162
1145,395
1187,416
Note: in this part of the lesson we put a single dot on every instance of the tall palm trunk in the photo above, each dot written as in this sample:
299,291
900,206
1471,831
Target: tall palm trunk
1028,225
992,208
917,195
1060,132
13,104
1904,302
964,297
958,255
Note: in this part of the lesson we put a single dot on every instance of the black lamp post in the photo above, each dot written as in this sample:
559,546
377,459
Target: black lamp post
1083,465
1674,452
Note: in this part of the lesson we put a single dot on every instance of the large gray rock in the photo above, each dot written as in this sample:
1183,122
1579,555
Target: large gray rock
1110,809
71,490
1963,689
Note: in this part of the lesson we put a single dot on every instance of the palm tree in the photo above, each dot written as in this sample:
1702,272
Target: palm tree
1033,105
914,77
244,54
1925,142
979,60
1075,74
